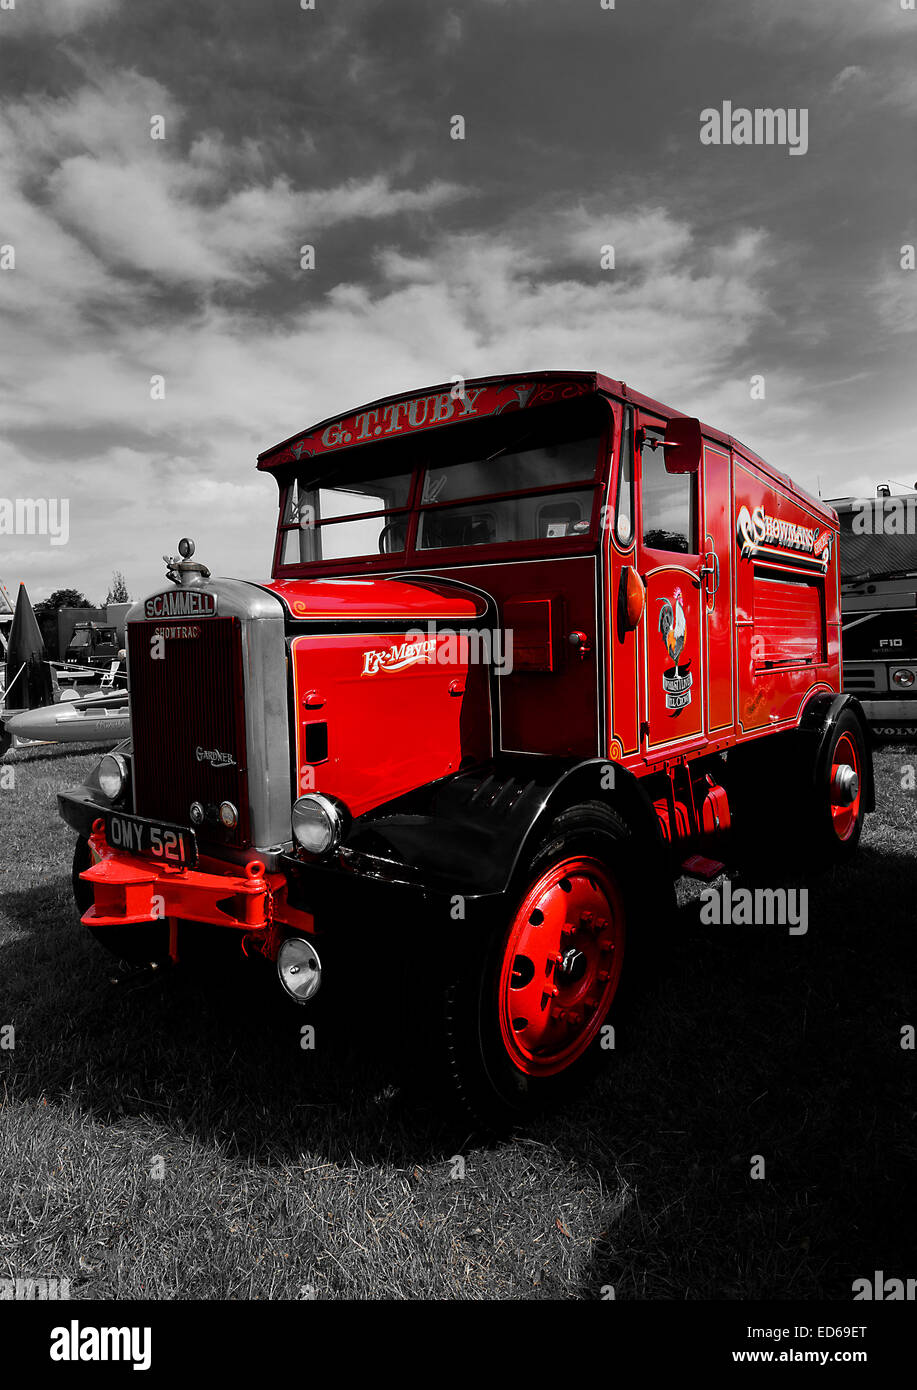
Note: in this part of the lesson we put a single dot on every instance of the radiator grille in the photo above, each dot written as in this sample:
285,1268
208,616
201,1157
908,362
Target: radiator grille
862,678
187,709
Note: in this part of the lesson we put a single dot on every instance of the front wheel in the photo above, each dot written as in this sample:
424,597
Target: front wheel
527,1010
560,966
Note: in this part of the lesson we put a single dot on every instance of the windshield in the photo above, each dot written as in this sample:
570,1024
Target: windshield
878,536
521,477
80,639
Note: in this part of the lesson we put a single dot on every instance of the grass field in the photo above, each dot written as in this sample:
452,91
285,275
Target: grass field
172,1139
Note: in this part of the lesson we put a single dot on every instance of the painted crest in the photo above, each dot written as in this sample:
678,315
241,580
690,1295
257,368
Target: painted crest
673,628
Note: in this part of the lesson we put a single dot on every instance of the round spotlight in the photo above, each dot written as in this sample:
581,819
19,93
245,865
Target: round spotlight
299,968
112,775
196,812
904,678
318,823
229,816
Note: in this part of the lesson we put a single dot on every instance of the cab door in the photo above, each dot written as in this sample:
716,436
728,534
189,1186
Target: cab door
670,561
719,532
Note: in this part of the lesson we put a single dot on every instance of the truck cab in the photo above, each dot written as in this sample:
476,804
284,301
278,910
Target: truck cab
532,647
93,644
878,545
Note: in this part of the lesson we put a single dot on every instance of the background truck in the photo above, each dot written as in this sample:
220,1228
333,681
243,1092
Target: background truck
878,551
532,646
93,644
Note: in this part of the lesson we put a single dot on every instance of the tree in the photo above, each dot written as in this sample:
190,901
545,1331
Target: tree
117,590
63,598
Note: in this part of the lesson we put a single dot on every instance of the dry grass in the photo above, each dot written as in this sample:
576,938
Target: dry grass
292,1174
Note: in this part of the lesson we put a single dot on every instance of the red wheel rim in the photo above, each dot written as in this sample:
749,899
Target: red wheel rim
844,815
561,966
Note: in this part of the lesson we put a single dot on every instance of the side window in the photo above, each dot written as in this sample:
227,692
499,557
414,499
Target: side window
624,511
669,501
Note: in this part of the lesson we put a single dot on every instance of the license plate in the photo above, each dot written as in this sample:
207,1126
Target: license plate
170,844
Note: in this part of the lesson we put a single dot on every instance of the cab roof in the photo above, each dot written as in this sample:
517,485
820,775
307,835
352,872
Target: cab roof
546,386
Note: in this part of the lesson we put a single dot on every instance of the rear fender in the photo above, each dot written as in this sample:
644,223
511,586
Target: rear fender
817,728
769,768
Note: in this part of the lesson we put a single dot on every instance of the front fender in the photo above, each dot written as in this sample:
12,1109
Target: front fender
80,806
468,833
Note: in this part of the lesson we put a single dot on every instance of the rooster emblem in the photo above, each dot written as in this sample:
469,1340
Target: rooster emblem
672,625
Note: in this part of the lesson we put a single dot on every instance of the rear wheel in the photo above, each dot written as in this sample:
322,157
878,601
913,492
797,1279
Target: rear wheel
524,1014
836,805
793,811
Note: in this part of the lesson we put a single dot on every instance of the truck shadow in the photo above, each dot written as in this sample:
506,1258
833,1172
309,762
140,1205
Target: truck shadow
214,1046
758,1044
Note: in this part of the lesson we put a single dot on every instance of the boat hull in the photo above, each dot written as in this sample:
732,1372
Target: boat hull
93,720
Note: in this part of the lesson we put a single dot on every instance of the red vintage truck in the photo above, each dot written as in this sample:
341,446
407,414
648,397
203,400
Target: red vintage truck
533,646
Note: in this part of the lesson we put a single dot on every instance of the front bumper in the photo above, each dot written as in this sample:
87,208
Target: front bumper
890,711
129,890
307,895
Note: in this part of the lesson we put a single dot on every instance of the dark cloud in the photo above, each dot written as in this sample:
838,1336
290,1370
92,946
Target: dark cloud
331,127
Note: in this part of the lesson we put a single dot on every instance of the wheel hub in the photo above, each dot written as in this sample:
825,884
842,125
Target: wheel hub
845,788
573,964
561,967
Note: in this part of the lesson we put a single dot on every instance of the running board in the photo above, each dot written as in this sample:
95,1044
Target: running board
697,866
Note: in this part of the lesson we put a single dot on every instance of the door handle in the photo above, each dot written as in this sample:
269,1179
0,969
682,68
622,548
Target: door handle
580,642
714,569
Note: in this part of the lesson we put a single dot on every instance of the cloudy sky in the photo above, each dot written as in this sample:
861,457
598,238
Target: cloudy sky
286,126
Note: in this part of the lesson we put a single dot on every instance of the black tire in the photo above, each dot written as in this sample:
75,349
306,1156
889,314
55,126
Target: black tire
82,891
132,944
832,835
482,1079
